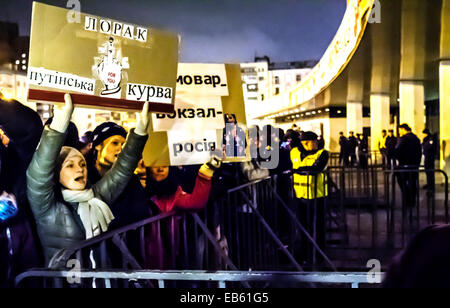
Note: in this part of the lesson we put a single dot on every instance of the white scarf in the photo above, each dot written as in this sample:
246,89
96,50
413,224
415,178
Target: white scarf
94,213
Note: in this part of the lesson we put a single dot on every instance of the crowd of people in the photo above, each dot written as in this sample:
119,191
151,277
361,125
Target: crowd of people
58,189
354,151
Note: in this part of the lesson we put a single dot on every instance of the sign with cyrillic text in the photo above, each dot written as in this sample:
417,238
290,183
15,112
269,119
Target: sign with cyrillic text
102,62
202,79
191,111
194,131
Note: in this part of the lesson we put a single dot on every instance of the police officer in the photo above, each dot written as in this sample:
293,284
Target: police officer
391,143
409,154
343,154
352,145
310,186
429,150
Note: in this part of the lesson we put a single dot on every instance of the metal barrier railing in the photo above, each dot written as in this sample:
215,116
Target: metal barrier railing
252,218
379,210
365,214
183,240
219,279
361,160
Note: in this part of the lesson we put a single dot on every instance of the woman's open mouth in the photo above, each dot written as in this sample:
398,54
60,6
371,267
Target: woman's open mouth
79,179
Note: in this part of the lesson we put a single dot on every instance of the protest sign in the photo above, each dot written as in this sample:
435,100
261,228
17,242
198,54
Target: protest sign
206,95
103,63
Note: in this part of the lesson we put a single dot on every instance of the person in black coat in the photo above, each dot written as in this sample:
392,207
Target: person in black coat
343,154
352,145
20,250
363,151
391,143
408,153
132,205
429,148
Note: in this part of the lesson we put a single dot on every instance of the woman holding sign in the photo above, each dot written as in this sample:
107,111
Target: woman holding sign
66,209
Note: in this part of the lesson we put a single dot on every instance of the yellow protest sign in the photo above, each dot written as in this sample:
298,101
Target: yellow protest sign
104,63
208,96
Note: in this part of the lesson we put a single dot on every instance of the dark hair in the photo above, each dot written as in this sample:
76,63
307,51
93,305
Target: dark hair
295,139
405,127
424,262
227,115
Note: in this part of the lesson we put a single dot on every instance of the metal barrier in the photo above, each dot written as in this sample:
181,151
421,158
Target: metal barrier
219,279
261,227
367,214
253,220
161,242
356,160
375,212
248,220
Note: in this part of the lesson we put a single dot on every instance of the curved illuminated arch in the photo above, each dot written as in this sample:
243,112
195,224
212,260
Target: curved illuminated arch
335,58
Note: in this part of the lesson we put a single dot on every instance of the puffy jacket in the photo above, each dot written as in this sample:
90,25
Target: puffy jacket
58,223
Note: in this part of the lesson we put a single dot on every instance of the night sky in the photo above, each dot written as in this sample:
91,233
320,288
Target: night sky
219,30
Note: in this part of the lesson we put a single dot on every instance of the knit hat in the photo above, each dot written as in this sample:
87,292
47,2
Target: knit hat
106,130
72,137
306,136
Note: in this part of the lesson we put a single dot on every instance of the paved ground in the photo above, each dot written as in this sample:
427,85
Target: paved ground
374,230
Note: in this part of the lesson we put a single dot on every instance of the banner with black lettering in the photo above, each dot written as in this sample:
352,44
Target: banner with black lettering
208,96
102,62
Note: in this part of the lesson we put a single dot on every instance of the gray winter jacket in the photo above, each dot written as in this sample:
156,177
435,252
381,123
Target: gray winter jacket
58,223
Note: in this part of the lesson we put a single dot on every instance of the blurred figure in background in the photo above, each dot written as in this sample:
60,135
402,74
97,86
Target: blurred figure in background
424,262
409,154
352,145
343,153
391,143
429,149
363,151
20,130
85,143
382,147
234,140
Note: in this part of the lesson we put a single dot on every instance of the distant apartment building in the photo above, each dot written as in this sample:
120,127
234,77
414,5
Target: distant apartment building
263,80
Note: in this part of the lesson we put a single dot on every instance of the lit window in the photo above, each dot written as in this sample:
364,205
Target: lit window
24,67
24,55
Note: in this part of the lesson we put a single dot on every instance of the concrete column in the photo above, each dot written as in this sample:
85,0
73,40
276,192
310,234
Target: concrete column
444,114
354,117
379,117
412,105
444,87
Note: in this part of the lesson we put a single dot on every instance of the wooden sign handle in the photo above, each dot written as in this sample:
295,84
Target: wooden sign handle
97,101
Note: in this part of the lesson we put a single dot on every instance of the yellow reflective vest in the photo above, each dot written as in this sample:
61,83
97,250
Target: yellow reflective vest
305,185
